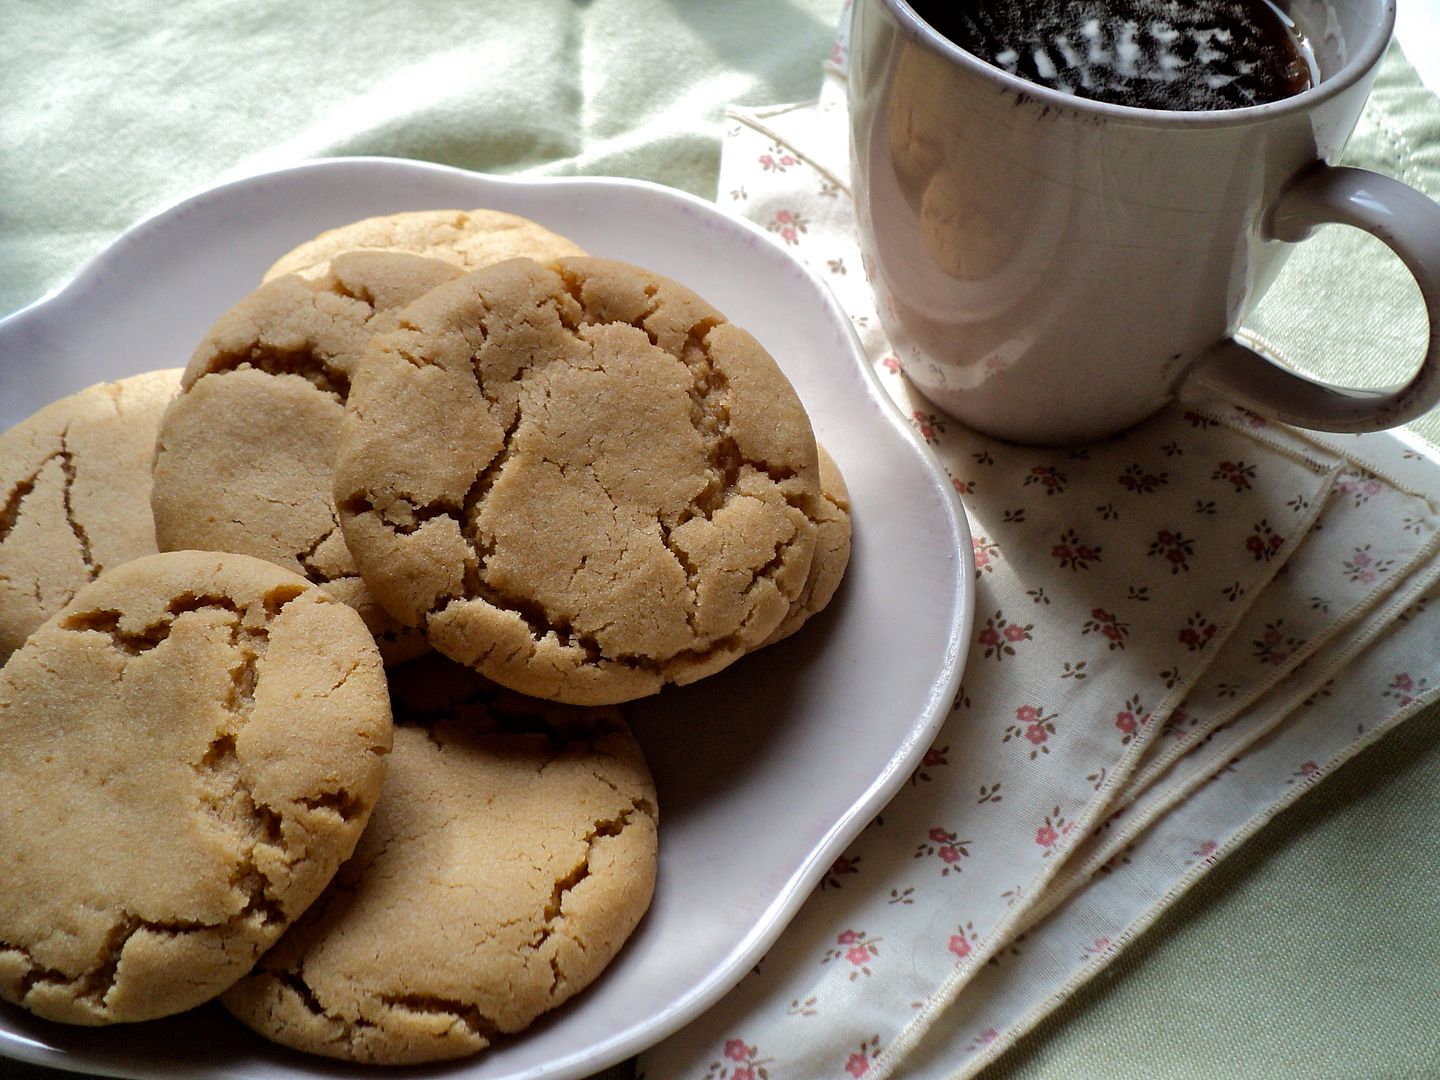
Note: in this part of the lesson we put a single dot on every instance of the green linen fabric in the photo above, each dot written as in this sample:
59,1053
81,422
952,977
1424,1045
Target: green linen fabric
1311,953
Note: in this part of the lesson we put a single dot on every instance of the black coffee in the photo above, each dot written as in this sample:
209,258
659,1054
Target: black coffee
1152,54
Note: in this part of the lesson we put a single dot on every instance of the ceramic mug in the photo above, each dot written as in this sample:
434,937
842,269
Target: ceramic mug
1052,269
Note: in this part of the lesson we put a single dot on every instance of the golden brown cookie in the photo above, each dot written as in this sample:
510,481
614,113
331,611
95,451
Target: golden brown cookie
188,751
75,496
244,456
832,551
510,857
469,239
581,480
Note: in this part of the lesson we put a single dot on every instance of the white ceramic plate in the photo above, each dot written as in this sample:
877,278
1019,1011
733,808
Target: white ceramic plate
766,771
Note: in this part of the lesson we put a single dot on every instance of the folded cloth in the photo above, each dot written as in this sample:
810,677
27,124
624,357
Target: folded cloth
1178,631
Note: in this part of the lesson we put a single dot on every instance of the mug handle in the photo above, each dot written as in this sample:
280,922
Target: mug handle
1409,224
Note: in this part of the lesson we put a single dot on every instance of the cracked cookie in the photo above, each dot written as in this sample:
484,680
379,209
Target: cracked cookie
469,239
188,751
244,455
580,479
75,496
512,854
832,551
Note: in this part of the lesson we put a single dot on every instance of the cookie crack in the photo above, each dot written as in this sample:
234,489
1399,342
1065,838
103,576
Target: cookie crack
350,1026
304,363
107,621
563,886
95,985
461,1012
10,512
67,468
314,573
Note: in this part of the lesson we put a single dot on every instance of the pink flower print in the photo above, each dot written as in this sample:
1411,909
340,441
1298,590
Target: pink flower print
1131,719
1197,632
1073,553
1175,548
1307,771
963,487
1237,473
1136,480
1364,567
929,425
1360,485
1048,477
1000,636
750,1067
989,1035
855,947
1206,849
962,942
946,846
1275,646
858,1063
933,759
1108,626
985,551
892,364
1034,726
1404,688
1263,542
842,866
789,225
1054,827
777,160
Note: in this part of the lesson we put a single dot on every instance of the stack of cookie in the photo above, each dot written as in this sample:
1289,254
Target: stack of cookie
316,645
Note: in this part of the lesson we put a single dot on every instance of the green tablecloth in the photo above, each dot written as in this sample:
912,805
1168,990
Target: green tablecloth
1311,953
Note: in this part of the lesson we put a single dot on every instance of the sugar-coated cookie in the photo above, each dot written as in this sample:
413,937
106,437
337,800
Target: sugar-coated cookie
832,551
468,238
75,495
188,751
580,479
512,853
244,456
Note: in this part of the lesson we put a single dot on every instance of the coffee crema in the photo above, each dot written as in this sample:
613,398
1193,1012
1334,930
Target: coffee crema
1183,55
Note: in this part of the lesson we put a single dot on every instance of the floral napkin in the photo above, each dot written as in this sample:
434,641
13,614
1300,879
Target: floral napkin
1178,631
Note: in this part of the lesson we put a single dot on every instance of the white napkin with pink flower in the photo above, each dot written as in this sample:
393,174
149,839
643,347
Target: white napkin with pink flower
1178,632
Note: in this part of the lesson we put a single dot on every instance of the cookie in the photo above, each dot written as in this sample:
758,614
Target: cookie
512,854
832,551
188,751
75,496
581,480
469,239
244,453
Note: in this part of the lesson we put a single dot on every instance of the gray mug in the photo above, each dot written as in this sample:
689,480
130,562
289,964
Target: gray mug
1052,269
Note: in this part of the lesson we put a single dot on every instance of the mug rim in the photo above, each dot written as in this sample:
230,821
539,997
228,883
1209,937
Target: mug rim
1355,68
